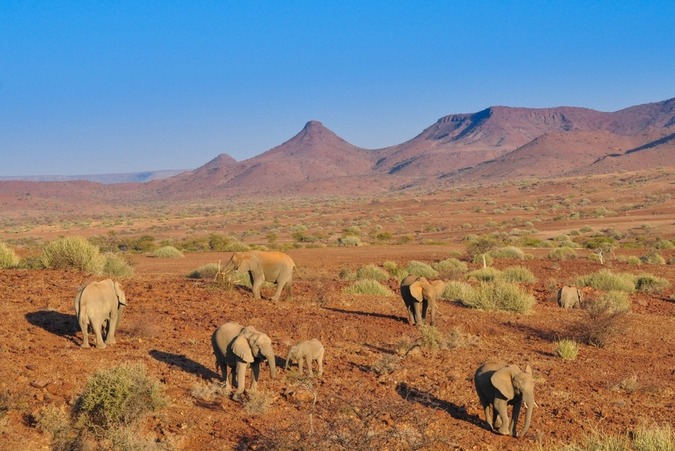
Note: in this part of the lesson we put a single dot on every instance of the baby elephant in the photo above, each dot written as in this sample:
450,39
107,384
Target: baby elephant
307,350
570,297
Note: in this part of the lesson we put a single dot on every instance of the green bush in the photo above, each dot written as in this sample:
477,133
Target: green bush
632,260
203,272
653,258
664,244
369,287
615,301
418,268
499,295
8,258
567,349
487,274
508,252
654,438
432,338
168,252
483,259
117,397
518,274
607,280
562,253
349,241
72,253
646,283
371,272
116,266
456,291
393,270
450,267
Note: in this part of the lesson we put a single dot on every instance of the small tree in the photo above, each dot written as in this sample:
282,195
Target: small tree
481,246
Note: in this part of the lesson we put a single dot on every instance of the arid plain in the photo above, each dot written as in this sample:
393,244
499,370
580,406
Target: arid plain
373,394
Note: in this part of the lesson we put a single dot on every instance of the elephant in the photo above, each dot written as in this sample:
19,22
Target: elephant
262,266
237,347
308,350
570,297
499,385
98,304
419,296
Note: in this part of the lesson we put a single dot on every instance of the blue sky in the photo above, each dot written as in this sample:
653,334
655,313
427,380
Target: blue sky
90,87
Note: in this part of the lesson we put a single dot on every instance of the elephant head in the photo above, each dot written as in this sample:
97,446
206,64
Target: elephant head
251,345
517,387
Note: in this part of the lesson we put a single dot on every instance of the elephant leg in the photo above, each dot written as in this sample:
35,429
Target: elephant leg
309,366
277,294
411,314
255,375
257,283
320,364
301,360
84,327
488,415
419,319
112,323
227,376
502,423
432,313
98,327
241,379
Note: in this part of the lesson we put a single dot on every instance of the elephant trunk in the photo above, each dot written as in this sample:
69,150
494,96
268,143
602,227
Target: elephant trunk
271,361
529,405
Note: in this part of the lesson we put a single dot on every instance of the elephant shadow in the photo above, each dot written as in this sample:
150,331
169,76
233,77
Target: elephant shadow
426,399
371,314
547,335
57,323
184,363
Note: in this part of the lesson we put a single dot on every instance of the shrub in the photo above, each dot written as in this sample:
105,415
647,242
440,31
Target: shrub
418,268
483,259
258,402
615,301
168,252
654,438
646,283
599,324
664,244
117,397
607,280
450,267
567,349
653,258
432,338
8,258
394,271
370,287
371,272
116,266
72,253
456,291
562,253
509,252
499,295
518,274
349,241
485,274
208,270
632,260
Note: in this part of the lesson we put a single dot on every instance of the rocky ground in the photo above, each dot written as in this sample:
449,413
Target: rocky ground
372,395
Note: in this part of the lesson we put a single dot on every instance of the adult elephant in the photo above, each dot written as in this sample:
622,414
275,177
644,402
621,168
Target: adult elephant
570,297
98,304
499,385
270,266
237,347
419,296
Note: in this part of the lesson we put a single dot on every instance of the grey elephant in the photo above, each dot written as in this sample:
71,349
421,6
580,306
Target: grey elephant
308,351
499,385
100,305
570,297
419,296
261,266
237,347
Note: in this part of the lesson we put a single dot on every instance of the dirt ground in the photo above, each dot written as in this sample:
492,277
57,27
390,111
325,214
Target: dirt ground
372,395
428,395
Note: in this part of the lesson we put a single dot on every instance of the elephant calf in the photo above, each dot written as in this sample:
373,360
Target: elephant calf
307,350
98,304
237,348
419,296
570,297
499,385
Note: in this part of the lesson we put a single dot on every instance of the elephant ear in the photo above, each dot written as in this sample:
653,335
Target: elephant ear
502,381
121,298
528,370
417,291
242,349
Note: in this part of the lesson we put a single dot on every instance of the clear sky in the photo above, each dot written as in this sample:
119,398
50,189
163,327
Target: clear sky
91,87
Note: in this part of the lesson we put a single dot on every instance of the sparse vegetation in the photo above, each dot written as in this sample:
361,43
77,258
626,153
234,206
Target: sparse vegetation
115,265
562,253
646,283
450,267
518,274
499,295
371,272
369,287
207,271
418,268
607,280
567,349
72,253
8,258
168,252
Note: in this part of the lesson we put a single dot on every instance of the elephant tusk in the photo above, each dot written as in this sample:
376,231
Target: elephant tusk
526,406
535,404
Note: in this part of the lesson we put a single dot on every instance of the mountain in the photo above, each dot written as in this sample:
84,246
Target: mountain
495,144
106,179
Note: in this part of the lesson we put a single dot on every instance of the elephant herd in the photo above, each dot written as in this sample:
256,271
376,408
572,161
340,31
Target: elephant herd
100,305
